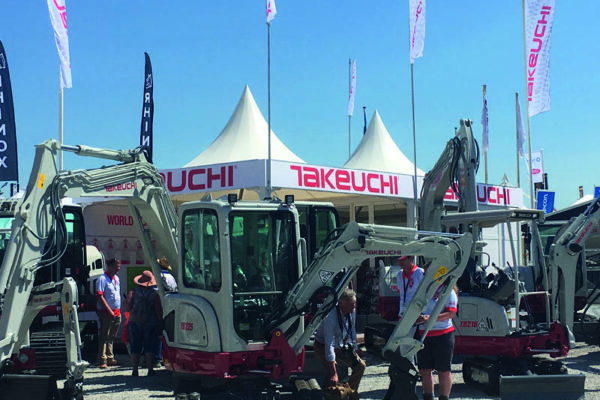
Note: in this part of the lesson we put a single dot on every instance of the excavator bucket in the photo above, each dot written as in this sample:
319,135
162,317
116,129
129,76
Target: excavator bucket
542,387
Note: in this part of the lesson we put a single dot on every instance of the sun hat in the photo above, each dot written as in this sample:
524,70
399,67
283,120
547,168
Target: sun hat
145,279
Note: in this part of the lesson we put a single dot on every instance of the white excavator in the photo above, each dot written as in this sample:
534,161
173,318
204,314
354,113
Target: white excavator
243,279
507,316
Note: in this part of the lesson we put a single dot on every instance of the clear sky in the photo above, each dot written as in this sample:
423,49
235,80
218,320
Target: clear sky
204,53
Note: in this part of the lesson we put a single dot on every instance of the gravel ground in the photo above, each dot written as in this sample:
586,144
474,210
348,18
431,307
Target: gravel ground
117,382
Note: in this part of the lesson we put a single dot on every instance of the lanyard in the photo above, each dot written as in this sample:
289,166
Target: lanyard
347,332
407,282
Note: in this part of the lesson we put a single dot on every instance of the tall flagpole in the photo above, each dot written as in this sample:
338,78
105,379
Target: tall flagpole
485,151
269,188
517,130
532,197
60,127
349,94
412,93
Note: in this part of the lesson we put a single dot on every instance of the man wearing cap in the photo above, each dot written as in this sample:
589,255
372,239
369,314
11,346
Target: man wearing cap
145,318
168,280
408,279
108,306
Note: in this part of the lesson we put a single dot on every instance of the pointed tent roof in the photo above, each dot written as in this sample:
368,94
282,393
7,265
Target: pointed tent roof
244,138
377,151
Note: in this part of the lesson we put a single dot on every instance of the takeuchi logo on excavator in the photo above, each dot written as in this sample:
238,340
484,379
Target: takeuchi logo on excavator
383,252
120,187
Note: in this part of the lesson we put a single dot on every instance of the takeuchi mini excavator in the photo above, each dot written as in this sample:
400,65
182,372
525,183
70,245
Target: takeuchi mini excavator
504,320
243,279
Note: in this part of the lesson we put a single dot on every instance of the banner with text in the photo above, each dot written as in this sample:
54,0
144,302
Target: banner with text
251,174
539,15
545,201
147,109
537,167
493,195
9,170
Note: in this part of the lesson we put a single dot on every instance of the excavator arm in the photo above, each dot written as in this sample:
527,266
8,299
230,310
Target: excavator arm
39,224
456,168
338,260
564,255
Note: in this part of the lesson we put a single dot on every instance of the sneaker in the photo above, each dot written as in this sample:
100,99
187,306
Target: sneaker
103,366
112,362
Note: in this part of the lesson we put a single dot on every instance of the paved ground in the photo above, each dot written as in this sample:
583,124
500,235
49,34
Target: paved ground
117,383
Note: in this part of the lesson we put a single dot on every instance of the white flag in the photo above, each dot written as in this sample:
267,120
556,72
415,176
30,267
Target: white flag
352,89
537,167
58,17
521,138
271,11
539,15
417,28
485,136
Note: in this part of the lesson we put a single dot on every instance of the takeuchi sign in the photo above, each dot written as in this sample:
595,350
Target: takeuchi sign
252,174
493,195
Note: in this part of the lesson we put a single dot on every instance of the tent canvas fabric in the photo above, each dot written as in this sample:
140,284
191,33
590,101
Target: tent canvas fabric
244,138
377,151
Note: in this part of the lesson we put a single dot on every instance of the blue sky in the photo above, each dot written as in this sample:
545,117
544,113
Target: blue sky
204,53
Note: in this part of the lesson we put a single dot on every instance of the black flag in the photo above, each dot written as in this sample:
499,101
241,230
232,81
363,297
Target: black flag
9,168
365,118
147,110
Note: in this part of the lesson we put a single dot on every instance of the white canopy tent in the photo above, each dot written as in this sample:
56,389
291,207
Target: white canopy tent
377,151
244,138
378,174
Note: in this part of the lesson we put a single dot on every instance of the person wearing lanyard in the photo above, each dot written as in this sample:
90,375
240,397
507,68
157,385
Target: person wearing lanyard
408,279
335,341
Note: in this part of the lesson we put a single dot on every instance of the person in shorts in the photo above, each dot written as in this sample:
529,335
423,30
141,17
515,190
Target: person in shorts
439,347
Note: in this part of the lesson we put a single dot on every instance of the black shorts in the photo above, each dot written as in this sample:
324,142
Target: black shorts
437,353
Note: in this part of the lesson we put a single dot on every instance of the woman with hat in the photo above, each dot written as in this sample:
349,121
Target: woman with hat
145,320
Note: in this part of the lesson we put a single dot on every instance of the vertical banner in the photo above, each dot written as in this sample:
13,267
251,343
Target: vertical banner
521,137
485,135
8,134
416,10
537,167
271,11
545,201
596,191
352,89
539,15
58,17
147,109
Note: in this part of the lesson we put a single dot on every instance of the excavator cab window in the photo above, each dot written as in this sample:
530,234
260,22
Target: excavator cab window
5,227
73,261
317,221
201,255
264,266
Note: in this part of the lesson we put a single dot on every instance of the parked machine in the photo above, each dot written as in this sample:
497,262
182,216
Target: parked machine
244,280
504,317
